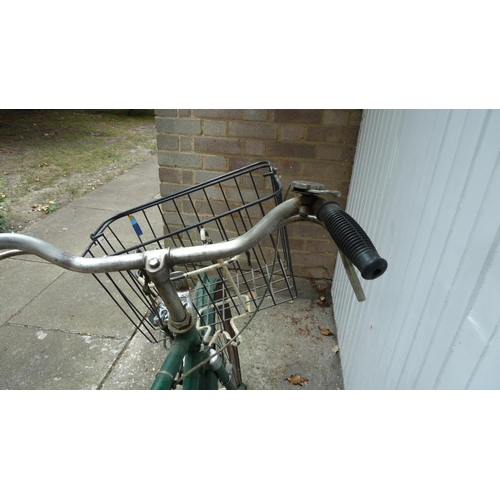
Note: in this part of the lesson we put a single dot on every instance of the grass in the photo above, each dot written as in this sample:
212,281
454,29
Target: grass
60,154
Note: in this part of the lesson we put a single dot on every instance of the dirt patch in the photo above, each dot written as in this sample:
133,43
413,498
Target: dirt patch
50,157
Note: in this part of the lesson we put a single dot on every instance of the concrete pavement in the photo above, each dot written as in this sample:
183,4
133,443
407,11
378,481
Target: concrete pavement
60,330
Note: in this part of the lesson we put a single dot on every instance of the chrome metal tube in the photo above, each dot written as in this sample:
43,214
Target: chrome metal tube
275,219
53,254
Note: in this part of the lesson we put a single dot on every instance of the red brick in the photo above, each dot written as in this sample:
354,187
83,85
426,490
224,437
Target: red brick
254,147
308,230
328,152
167,142
291,132
236,162
214,163
296,244
204,175
290,149
325,246
178,126
298,115
170,175
256,114
313,259
252,182
188,177
214,127
355,117
333,134
323,171
254,130
166,112
209,145
223,114
187,143
289,168
349,153
336,117
166,189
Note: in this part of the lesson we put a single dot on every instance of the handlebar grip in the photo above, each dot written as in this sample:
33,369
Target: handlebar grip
351,240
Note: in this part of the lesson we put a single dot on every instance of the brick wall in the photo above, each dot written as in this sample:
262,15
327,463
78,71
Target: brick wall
307,144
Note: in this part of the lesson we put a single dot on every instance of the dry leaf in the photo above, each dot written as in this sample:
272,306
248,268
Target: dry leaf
297,380
325,331
323,302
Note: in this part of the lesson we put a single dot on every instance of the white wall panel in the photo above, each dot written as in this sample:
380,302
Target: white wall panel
426,187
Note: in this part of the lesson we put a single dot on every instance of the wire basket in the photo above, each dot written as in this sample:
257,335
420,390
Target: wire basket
216,210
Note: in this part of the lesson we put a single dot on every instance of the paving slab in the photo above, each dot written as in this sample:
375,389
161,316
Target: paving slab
286,340
21,282
280,342
75,303
36,358
137,366
70,228
137,186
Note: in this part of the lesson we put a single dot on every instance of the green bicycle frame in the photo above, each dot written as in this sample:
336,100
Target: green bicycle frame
186,348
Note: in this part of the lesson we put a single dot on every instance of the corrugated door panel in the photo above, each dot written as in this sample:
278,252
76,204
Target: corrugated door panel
478,327
436,270
472,237
404,245
424,188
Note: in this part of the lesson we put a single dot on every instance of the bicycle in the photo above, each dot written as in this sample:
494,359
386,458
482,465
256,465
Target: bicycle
231,242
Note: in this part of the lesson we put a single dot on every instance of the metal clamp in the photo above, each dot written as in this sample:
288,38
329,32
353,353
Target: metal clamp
307,187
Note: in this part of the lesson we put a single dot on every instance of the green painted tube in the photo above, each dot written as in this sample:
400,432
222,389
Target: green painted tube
210,381
224,378
165,377
192,381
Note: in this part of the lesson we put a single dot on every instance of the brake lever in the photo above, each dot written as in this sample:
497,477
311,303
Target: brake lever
353,278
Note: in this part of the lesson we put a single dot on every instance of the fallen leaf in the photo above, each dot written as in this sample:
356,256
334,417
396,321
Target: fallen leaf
325,331
323,302
335,349
297,380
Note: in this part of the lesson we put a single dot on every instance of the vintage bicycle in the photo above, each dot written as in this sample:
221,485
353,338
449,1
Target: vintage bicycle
189,268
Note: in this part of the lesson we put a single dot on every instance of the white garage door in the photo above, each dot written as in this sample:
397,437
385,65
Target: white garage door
426,187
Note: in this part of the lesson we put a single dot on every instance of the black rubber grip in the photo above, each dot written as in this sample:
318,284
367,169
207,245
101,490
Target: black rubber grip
352,241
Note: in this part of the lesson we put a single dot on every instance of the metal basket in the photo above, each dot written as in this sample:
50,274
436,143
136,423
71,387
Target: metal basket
216,210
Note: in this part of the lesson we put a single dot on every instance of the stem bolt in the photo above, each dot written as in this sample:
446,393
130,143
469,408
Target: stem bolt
154,263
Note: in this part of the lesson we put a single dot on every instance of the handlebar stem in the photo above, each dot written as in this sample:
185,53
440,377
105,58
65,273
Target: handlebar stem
180,320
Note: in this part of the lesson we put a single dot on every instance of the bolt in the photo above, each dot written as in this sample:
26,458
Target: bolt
154,263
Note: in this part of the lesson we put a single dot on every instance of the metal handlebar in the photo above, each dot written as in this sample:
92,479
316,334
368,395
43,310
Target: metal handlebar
276,218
